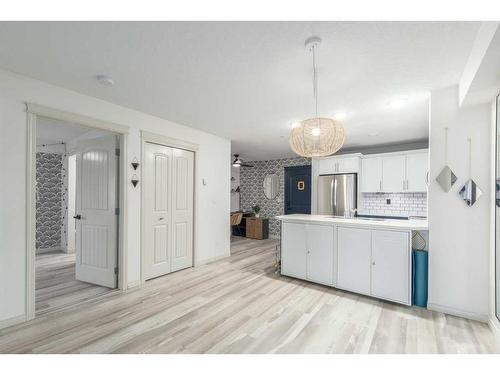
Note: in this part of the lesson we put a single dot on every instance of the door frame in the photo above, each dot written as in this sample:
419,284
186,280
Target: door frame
148,137
32,112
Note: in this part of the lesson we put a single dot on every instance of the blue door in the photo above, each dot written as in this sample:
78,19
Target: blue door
298,190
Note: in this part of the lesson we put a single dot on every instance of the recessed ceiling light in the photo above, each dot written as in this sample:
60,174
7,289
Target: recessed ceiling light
339,116
398,102
373,134
105,80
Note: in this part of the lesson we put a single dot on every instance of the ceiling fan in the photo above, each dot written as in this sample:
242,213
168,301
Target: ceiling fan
237,162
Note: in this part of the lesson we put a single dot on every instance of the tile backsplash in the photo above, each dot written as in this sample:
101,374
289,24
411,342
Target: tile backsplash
402,204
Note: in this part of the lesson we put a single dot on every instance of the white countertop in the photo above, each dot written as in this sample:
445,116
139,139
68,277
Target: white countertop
413,224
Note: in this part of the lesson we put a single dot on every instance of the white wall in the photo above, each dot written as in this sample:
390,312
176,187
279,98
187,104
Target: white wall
459,239
212,213
494,322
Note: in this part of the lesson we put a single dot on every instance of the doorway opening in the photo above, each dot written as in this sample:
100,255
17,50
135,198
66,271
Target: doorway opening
298,190
75,227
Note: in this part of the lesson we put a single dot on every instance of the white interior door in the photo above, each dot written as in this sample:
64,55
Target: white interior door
96,200
157,205
182,209
168,207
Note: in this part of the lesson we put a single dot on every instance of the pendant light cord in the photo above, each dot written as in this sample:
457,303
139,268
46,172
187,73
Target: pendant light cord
315,79
446,146
470,156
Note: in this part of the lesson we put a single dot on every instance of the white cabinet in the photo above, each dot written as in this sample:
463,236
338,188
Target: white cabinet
307,252
354,259
320,254
293,250
391,266
416,172
348,165
375,262
338,164
393,173
371,174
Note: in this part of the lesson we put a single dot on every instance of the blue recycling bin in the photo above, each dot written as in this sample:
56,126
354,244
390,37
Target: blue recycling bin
420,277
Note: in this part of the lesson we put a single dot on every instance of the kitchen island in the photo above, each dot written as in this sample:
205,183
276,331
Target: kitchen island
363,255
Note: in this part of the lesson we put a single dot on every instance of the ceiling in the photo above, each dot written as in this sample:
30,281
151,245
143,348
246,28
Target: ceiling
249,81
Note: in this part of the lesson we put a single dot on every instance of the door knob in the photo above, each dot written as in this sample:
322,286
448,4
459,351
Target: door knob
161,218
77,217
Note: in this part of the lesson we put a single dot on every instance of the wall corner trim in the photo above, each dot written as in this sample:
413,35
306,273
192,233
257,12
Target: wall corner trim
495,328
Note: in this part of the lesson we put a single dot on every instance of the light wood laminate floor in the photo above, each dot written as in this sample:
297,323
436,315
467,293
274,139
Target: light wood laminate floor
55,284
238,305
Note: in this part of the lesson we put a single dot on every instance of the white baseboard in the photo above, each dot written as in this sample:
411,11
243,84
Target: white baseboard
12,321
460,313
134,284
210,260
49,249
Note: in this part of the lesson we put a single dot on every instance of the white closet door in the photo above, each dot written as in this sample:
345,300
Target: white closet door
182,209
157,187
96,200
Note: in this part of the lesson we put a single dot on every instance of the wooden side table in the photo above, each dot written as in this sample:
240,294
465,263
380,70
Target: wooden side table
257,228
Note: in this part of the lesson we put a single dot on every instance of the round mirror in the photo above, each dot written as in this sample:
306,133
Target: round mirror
271,185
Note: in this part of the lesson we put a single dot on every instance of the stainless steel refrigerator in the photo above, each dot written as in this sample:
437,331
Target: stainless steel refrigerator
337,194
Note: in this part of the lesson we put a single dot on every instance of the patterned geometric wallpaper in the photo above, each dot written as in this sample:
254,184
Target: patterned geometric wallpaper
49,200
252,191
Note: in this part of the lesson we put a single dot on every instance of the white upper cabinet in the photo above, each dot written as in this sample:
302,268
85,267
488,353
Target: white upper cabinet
371,174
393,173
338,164
416,172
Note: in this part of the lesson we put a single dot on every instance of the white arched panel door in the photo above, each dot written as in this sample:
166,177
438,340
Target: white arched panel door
96,220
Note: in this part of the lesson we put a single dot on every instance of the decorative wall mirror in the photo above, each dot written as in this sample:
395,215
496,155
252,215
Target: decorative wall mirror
271,185
497,210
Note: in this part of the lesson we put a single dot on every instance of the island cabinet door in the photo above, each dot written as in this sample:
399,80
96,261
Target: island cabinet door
293,250
391,264
354,258
320,254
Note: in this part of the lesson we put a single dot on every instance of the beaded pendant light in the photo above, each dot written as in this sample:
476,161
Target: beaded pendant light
317,136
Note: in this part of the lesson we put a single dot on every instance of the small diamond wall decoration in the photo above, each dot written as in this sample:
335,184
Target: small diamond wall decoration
470,192
446,179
